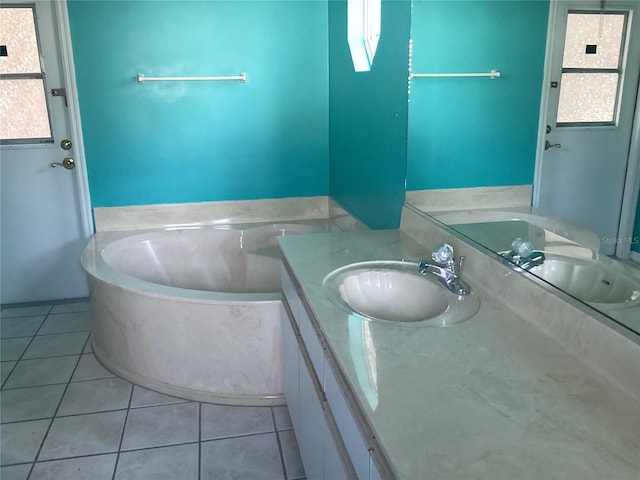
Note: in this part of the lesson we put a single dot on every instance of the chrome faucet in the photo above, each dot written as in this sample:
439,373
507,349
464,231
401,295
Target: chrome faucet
444,267
523,254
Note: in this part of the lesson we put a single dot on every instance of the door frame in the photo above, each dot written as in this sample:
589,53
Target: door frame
75,125
632,180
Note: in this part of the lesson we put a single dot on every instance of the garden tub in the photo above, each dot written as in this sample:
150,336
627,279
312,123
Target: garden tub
192,312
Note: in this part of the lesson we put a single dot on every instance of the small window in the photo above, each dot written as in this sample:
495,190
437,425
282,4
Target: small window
592,68
363,25
24,113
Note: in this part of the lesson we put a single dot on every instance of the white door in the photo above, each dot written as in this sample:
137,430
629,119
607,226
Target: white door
593,62
43,231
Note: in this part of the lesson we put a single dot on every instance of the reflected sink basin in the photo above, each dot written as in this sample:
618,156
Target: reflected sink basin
593,281
394,291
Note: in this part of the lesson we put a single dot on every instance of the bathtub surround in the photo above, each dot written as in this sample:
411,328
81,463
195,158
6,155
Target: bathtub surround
140,217
194,312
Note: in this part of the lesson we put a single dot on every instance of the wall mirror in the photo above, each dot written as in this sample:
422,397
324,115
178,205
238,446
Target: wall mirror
482,159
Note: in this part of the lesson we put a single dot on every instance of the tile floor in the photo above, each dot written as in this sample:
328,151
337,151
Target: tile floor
65,417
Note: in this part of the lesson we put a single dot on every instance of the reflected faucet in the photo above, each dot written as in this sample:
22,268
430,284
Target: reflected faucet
444,267
523,254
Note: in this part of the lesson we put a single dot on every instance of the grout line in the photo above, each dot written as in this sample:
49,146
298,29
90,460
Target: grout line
26,348
62,333
124,426
49,460
44,438
199,440
275,426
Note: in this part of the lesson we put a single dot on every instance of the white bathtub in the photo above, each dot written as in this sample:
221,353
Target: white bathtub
193,313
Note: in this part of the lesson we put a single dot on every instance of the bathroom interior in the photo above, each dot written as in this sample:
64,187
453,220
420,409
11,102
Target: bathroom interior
540,380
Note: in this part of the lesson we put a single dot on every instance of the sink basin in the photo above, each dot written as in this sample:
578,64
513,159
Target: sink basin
394,291
593,281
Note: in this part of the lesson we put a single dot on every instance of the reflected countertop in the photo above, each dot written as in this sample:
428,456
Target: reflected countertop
490,398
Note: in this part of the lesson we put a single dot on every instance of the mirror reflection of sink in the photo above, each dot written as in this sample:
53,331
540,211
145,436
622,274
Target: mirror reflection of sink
592,281
394,291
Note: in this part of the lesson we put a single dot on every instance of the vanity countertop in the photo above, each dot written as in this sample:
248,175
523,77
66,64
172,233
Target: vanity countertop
490,398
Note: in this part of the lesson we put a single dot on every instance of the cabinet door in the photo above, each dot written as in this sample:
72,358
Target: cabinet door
313,429
334,469
358,451
290,369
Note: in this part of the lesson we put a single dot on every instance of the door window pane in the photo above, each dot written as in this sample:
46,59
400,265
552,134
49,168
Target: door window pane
18,34
588,97
23,109
593,40
24,114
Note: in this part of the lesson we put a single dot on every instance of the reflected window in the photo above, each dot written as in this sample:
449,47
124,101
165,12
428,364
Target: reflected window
363,31
592,68
24,115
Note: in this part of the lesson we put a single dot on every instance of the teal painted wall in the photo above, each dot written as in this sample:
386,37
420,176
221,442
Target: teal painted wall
174,142
368,118
468,132
635,244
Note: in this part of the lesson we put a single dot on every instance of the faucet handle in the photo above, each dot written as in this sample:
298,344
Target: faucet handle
442,253
522,247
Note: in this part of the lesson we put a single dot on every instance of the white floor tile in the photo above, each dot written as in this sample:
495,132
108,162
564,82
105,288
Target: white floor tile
13,348
90,369
55,345
291,454
30,403
20,326
82,306
42,371
21,441
5,369
164,463
9,312
83,435
161,426
143,397
95,396
283,420
96,467
17,472
65,323
247,458
221,421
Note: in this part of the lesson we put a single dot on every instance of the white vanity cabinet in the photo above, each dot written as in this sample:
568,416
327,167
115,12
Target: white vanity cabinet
330,443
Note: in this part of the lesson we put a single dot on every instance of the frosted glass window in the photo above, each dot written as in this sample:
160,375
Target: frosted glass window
603,32
23,109
24,114
588,97
591,68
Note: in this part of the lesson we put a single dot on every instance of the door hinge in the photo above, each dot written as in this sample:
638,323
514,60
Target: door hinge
60,92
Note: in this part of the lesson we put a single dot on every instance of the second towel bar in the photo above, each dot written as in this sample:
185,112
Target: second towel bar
493,74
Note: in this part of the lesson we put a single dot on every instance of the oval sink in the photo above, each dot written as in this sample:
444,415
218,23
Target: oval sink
588,280
395,291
